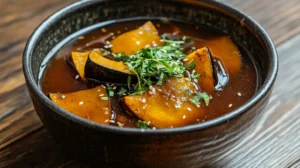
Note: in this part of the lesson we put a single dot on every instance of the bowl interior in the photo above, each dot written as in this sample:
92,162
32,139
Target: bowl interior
242,29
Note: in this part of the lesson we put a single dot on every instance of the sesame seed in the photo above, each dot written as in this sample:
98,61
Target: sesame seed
103,30
98,90
115,87
81,37
184,60
143,100
138,43
87,44
81,103
120,124
239,94
230,105
140,32
183,117
154,128
77,77
189,109
101,95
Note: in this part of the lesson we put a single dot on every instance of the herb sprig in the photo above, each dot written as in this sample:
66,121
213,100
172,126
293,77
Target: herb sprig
154,65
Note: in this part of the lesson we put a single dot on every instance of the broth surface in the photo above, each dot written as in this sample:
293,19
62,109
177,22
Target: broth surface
60,76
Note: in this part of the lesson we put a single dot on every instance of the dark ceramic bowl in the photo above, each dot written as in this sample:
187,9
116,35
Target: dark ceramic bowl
194,145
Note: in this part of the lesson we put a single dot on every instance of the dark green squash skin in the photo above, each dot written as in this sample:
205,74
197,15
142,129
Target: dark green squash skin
99,72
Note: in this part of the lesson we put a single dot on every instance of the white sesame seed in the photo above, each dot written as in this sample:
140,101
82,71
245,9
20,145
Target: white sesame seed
143,100
184,60
77,77
63,96
189,109
112,121
230,105
87,44
103,30
115,87
120,124
239,94
154,128
183,117
81,103
101,95
138,42
81,37
140,32
106,121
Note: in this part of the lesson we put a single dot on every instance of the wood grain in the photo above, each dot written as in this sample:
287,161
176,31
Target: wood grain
274,143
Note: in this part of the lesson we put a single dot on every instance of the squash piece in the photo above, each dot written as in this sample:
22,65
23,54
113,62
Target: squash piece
204,66
132,41
79,59
88,104
104,69
227,51
168,106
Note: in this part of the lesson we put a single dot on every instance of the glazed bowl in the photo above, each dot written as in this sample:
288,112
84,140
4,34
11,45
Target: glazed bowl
188,146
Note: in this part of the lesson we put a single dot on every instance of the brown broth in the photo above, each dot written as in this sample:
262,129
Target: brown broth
59,76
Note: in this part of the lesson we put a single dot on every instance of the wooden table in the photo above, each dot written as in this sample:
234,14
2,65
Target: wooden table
25,143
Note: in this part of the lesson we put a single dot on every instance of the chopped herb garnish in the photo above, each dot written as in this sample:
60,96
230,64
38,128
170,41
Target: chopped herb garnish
177,105
129,81
104,98
122,91
154,65
191,66
198,97
195,76
143,124
188,93
110,90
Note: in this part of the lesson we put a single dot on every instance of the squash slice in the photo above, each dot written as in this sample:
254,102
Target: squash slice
204,66
87,104
104,69
229,54
132,41
79,60
167,106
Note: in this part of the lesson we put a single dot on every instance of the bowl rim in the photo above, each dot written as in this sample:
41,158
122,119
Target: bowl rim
264,90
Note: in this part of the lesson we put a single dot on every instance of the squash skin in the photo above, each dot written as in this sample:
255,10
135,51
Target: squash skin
228,53
95,70
160,109
204,66
132,41
85,103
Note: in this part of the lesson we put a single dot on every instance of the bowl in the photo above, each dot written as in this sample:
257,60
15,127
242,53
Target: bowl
195,145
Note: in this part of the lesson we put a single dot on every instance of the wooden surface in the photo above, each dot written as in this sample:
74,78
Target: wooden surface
25,143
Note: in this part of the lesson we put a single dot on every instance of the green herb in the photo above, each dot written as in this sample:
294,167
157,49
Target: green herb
177,105
198,97
104,98
122,91
129,81
154,65
188,93
105,53
195,76
186,38
110,90
191,66
143,124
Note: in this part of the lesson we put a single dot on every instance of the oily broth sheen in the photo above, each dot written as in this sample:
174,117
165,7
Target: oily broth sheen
60,77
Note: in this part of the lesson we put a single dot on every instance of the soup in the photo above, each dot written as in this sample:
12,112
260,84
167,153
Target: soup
149,74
